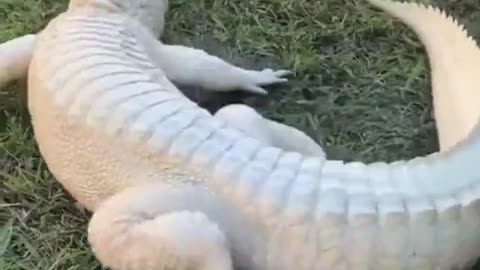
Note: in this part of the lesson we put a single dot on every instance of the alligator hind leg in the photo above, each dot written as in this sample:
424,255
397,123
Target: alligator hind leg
194,67
267,131
157,226
15,58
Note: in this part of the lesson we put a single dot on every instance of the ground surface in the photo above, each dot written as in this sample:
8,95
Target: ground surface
361,82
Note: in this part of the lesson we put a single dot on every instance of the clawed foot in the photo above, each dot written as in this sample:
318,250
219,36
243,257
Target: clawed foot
267,76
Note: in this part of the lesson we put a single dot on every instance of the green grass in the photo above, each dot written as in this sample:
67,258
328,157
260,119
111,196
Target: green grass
360,88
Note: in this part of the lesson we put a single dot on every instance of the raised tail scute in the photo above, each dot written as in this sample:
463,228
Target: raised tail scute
454,61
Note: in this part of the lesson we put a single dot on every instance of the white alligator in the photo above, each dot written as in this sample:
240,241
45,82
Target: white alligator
173,187
190,67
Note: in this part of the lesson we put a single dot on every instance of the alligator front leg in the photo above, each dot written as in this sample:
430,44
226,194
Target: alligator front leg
267,131
156,226
195,67
15,57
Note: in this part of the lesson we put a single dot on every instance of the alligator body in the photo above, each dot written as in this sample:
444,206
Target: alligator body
15,55
174,187
15,58
192,69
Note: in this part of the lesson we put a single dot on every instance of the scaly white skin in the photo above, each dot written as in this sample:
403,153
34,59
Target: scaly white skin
16,53
191,67
267,131
166,179
15,58
194,67
182,65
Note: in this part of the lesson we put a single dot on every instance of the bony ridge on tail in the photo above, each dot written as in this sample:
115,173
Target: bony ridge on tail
172,186
451,51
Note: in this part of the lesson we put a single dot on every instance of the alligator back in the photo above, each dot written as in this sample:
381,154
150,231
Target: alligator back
81,51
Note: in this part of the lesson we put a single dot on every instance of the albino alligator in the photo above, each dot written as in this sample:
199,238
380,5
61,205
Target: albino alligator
188,67
172,186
